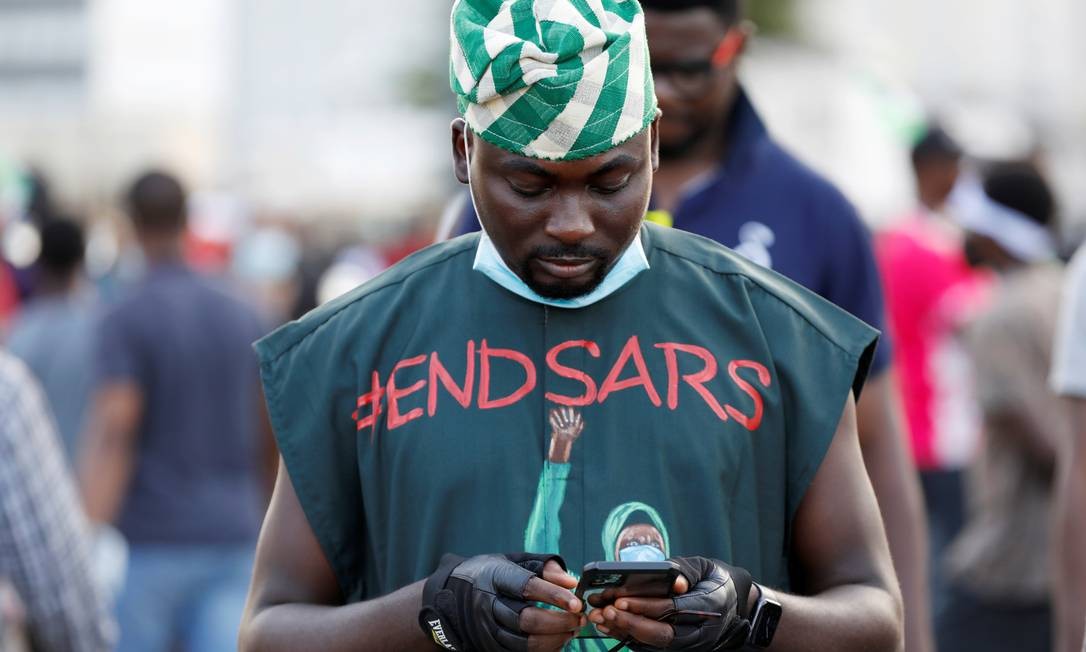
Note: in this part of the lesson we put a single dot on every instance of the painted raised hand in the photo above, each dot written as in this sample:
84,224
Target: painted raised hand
567,425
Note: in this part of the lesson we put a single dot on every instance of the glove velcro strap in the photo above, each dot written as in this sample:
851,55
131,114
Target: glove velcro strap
743,582
437,617
436,582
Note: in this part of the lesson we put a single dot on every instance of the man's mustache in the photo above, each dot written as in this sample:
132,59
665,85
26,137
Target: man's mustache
568,251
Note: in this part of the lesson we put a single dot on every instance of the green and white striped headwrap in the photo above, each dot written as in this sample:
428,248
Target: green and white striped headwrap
552,79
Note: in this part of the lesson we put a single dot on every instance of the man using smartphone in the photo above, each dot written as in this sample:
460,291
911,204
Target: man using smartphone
412,414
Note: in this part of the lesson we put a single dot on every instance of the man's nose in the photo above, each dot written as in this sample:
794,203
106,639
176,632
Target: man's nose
570,222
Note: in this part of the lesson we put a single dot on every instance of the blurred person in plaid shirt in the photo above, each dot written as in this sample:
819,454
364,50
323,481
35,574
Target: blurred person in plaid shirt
44,538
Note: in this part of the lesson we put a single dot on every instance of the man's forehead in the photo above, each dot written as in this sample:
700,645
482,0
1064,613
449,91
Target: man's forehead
631,154
679,32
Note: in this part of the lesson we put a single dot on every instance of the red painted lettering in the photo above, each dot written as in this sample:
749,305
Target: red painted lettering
486,353
374,397
589,395
696,381
612,384
750,423
439,373
395,419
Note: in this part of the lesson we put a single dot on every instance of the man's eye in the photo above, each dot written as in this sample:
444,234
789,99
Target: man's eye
526,192
612,189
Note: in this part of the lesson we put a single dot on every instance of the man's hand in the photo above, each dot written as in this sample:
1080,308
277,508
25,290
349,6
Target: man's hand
482,604
567,425
710,616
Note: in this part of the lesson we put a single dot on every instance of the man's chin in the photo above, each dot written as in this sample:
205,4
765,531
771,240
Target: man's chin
564,291
550,286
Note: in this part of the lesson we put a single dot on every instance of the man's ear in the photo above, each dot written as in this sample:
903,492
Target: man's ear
654,140
459,129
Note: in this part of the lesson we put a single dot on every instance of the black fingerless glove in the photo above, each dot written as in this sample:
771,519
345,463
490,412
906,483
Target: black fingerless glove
716,588
474,605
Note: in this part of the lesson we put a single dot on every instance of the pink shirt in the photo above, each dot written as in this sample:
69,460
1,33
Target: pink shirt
9,294
931,292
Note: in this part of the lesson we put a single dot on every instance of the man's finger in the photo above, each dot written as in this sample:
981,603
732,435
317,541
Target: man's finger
648,631
555,574
548,621
543,591
654,608
681,585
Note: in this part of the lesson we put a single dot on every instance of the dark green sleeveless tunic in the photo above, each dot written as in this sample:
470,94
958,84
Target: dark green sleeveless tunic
413,414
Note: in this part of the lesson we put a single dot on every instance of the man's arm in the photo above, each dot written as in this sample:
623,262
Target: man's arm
268,449
109,451
840,560
295,602
1070,544
897,489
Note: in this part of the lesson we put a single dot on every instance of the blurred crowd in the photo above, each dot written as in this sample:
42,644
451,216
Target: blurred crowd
136,457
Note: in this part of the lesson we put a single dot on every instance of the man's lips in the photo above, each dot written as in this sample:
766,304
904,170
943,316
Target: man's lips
566,268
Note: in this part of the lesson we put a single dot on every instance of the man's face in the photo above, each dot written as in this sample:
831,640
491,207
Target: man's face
935,180
695,92
560,226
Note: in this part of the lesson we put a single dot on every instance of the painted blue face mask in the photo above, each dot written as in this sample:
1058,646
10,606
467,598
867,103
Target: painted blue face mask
641,553
488,261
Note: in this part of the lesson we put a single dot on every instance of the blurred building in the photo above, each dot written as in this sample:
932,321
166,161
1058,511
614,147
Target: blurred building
301,106
341,107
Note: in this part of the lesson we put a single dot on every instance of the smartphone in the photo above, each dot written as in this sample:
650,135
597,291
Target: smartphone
611,580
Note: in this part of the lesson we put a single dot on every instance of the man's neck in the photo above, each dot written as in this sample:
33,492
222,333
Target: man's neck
161,250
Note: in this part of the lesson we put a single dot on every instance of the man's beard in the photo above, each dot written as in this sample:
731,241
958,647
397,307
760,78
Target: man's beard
559,290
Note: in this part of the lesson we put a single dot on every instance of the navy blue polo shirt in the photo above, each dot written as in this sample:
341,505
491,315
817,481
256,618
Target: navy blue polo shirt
185,341
776,211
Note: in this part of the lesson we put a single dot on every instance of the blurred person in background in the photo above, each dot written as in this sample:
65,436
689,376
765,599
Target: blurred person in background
997,568
721,176
931,293
45,555
266,264
9,287
1069,380
54,332
173,453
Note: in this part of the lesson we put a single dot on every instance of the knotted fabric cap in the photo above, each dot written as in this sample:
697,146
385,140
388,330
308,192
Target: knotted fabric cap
552,79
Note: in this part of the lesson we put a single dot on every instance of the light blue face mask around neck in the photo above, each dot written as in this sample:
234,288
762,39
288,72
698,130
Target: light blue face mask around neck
488,261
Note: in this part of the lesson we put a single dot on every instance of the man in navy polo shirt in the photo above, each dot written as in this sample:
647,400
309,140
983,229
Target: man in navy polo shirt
723,177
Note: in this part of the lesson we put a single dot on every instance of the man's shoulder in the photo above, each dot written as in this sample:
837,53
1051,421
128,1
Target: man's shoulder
755,280
380,290
805,184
